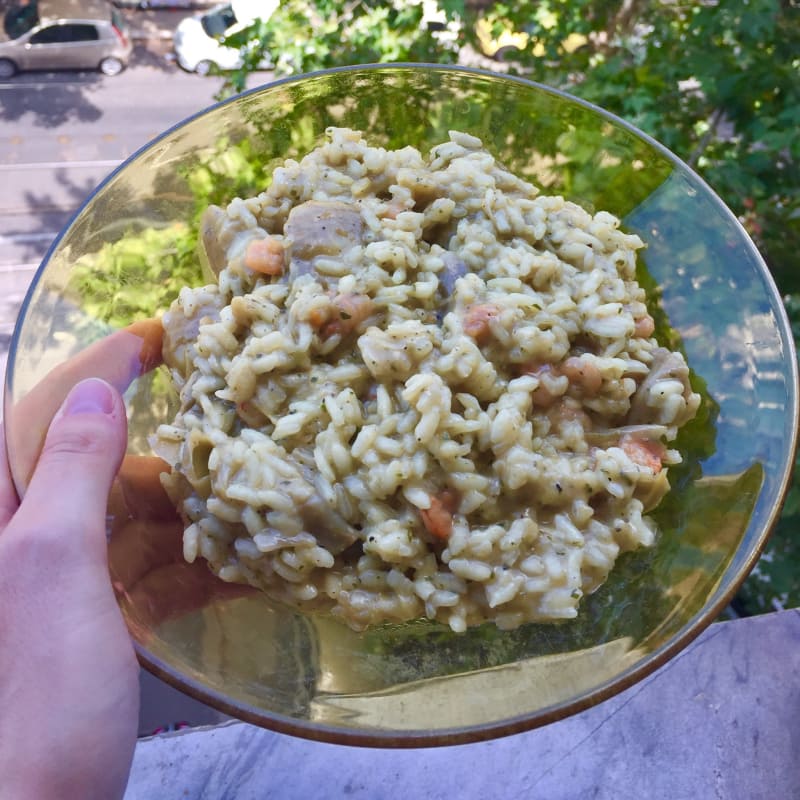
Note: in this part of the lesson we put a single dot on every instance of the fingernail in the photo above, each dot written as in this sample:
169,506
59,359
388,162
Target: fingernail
91,396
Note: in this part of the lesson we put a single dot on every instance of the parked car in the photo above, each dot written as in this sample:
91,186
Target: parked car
198,39
169,5
63,34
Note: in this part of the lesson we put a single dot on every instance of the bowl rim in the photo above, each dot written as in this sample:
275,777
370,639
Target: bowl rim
413,738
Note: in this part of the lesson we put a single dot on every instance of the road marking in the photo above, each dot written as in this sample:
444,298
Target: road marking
29,267
111,162
27,238
25,86
27,211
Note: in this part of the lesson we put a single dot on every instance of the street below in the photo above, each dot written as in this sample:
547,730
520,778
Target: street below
62,133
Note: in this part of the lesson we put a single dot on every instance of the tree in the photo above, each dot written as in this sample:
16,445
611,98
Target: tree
308,35
717,82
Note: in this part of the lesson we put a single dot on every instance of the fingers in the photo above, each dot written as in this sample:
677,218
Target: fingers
146,530
119,359
143,496
140,547
151,335
8,494
172,592
82,452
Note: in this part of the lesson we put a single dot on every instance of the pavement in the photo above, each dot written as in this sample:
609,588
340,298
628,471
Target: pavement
717,722
158,24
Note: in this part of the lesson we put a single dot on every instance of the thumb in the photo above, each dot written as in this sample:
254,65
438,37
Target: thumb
81,455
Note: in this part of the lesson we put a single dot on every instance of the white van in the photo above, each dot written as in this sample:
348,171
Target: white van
198,40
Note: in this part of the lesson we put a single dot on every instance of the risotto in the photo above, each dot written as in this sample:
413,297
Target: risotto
418,387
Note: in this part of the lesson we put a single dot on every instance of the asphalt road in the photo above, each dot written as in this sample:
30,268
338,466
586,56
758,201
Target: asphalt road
61,134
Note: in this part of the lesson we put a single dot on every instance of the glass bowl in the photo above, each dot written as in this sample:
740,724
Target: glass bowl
132,245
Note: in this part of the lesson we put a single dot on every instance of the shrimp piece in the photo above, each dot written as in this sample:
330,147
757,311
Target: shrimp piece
438,519
345,313
578,372
542,395
583,373
266,256
547,392
393,208
644,326
318,316
647,453
477,321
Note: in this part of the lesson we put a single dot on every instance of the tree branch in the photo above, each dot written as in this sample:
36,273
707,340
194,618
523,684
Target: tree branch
622,21
713,121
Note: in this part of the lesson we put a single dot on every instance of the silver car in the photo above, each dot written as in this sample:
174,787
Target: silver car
63,34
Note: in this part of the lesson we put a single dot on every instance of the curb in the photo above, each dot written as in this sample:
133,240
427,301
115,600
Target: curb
145,36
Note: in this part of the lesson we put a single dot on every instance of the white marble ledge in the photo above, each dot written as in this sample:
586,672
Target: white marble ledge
721,721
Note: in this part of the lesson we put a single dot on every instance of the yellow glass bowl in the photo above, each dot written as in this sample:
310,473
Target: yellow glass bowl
132,245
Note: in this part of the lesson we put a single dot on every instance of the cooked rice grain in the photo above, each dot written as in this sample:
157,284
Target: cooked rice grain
442,407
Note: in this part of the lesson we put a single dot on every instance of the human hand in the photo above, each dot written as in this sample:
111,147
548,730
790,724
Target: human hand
118,358
68,673
69,691
152,580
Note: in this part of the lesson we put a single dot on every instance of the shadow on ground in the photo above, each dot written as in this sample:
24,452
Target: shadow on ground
56,98
52,214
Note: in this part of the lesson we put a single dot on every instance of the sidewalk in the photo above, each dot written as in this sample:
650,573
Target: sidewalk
150,25
718,721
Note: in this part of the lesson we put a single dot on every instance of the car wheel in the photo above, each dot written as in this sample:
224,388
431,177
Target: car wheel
111,66
204,67
7,68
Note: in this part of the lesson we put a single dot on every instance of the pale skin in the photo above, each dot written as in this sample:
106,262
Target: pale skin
69,689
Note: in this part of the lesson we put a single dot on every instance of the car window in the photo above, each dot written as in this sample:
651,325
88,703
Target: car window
64,34
216,23
81,33
20,20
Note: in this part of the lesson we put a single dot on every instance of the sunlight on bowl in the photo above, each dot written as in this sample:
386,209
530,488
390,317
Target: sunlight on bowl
131,247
